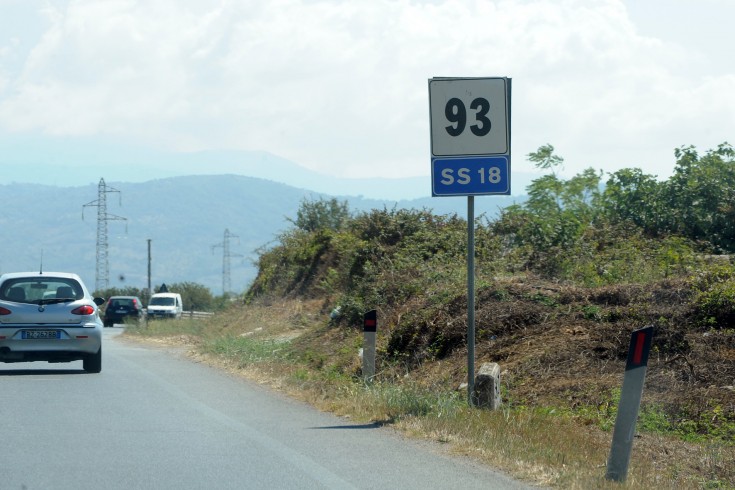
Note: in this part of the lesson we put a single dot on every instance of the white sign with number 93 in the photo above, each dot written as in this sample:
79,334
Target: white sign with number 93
469,116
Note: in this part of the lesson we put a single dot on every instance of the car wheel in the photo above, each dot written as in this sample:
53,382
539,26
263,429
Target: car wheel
93,362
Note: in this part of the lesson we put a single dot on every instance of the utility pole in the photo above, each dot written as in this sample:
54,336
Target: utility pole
149,272
226,255
102,270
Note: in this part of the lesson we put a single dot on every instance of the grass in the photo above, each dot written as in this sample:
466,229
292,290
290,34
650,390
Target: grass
163,328
550,446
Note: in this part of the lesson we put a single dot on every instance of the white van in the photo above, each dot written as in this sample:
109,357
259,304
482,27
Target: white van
165,305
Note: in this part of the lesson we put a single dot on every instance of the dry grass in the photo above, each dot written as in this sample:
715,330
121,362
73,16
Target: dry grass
555,449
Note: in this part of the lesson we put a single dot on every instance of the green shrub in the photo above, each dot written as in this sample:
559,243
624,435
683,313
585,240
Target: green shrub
714,305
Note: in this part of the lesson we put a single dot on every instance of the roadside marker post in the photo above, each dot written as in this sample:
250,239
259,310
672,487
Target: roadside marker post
629,405
369,328
470,156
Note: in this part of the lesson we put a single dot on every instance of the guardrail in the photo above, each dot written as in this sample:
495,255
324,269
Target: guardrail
196,314
188,314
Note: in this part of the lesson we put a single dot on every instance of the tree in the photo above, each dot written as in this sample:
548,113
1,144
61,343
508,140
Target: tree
194,296
545,158
321,214
557,214
631,196
126,291
700,196
559,210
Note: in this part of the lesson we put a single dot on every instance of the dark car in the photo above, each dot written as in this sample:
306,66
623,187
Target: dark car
119,308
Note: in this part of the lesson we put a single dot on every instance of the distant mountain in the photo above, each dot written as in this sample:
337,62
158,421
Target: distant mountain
71,163
184,217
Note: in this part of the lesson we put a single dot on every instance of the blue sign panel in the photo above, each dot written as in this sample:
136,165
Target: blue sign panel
470,176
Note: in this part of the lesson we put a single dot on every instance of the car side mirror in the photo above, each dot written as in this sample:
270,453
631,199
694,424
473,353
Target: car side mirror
99,301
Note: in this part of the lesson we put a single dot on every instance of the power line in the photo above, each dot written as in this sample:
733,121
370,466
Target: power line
102,269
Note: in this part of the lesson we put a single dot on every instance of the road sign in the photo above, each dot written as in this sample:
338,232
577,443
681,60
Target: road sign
470,176
469,116
470,155
470,136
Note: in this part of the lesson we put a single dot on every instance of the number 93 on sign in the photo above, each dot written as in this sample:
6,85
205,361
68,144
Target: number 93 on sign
473,176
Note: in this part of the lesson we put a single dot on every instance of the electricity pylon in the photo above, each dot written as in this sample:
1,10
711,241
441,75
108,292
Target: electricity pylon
102,270
226,255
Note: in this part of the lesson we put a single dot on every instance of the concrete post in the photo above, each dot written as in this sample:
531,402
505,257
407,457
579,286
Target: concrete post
487,387
370,327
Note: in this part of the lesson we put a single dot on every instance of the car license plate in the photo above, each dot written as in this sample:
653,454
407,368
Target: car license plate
121,311
41,334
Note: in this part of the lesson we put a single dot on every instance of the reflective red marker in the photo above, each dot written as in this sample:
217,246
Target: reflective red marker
640,346
370,321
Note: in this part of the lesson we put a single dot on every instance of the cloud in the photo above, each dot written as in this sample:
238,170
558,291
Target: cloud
341,86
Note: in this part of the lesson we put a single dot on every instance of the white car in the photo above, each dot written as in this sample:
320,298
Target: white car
165,305
49,316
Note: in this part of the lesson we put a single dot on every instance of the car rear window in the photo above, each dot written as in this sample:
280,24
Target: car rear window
122,303
35,289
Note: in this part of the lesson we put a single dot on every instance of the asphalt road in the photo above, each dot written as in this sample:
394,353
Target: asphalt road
156,420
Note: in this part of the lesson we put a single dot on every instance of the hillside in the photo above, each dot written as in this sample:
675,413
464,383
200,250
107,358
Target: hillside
183,216
561,349
561,283
560,342
74,164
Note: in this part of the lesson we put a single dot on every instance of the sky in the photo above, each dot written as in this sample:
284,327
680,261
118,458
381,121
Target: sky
341,86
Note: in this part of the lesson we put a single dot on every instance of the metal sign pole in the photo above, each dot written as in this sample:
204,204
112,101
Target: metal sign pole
470,300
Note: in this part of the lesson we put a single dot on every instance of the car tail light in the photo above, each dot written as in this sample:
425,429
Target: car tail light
4,311
83,310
